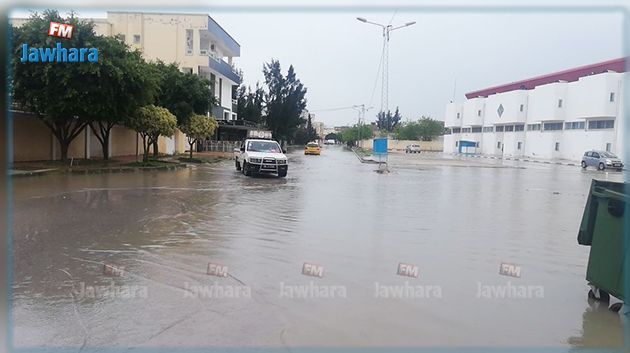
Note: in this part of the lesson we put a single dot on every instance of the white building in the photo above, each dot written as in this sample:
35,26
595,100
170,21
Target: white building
556,116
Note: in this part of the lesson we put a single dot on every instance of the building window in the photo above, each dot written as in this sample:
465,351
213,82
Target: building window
136,39
466,129
519,127
612,97
476,129
559,103
509,128
499,128
521,108
488,129
457,130
552,126
457,115
122,37
187,70
499,145
519,145
601,124
478,112
609,147
477,144
574,125
226,115
533,127
557,146
189,42
456,143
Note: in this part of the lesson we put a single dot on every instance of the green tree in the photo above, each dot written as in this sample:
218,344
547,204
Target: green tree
183,94
285,100
198,127
332,136
306,134
249,104
151,122
56,93
126,84
424,129
388,121
351,135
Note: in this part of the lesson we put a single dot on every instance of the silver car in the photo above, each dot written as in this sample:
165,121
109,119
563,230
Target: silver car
601,160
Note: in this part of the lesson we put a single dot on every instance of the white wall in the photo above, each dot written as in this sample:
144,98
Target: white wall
543,102
471,112
589,97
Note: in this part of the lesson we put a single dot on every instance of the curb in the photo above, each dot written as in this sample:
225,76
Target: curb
361,159
109,170
523,159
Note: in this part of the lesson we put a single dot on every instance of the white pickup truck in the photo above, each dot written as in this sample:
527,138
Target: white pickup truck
260,156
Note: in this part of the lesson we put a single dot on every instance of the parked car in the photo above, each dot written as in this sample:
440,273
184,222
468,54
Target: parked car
312,148
412,149
601,160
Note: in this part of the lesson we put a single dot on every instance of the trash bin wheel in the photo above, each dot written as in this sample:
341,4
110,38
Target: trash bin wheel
603,296
616,307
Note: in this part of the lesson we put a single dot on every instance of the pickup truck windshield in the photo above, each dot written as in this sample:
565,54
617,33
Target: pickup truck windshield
263,146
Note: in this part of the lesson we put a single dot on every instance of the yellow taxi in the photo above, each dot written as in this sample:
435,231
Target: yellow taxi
312,148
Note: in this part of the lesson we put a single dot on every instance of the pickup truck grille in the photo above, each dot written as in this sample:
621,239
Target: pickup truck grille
269,160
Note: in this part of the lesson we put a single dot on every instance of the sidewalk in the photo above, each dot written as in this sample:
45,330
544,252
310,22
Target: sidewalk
523,159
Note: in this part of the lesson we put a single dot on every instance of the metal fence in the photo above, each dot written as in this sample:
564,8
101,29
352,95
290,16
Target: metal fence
218,146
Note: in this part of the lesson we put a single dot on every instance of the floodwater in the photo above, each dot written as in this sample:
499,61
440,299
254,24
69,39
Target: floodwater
457,220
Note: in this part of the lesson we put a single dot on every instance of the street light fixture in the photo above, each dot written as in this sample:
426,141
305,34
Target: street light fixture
385,74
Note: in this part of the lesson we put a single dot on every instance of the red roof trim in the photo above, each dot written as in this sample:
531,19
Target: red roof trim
618,65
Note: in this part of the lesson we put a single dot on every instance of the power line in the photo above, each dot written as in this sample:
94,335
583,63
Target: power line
332,109
378,71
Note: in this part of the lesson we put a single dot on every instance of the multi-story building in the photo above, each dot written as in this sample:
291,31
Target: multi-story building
196,42
555,116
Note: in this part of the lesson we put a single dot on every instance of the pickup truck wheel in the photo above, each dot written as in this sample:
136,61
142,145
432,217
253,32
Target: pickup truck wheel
238,165
246,171
282,173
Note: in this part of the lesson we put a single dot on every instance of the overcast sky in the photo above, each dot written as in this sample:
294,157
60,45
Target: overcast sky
337,57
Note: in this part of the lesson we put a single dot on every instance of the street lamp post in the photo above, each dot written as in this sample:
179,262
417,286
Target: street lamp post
387,29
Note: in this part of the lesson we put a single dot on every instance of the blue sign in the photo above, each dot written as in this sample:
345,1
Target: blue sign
379,146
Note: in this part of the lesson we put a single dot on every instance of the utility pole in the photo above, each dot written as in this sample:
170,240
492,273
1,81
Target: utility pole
361,109
387,29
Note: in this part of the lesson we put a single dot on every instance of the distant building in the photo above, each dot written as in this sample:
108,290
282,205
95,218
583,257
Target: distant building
319,128
555,116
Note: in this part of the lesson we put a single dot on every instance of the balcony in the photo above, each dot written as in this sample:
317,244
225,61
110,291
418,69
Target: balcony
223,68
233,48
224,114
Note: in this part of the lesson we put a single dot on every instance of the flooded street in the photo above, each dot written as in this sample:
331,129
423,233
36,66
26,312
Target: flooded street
457,220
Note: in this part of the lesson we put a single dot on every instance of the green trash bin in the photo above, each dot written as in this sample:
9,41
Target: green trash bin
602,229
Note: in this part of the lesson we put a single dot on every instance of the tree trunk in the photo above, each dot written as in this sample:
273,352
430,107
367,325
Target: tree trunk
105,148
65,131
102,135
145,149
64,150
155,149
